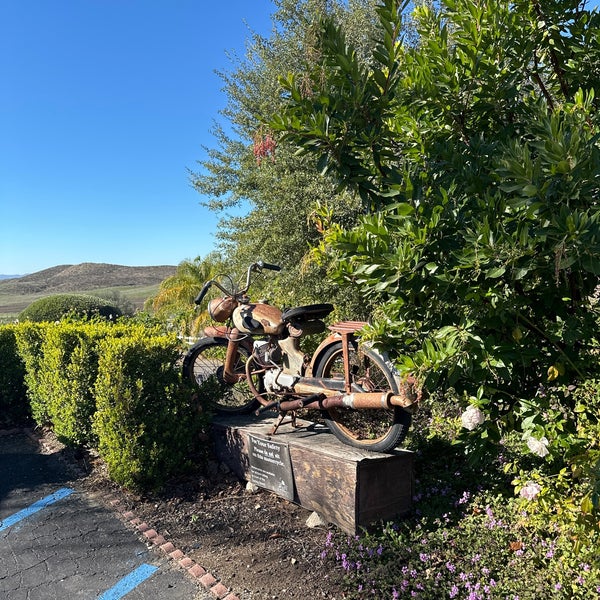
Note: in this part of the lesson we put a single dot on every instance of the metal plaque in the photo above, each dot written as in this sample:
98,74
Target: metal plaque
271,466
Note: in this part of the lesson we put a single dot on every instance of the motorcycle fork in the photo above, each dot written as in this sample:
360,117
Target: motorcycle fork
231,358
346,337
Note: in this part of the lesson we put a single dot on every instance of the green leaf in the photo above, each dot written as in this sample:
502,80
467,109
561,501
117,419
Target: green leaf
520,273
495,272
401,208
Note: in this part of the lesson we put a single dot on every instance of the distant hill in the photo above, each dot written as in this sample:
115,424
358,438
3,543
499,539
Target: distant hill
135,283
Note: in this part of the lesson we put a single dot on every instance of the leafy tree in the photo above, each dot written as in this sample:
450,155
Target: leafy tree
118,299
174,302
266,194
475,151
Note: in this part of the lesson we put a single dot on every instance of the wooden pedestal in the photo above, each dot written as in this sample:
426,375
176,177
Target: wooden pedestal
349,487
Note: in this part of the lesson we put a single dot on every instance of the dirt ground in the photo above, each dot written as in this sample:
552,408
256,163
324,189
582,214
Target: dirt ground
254,542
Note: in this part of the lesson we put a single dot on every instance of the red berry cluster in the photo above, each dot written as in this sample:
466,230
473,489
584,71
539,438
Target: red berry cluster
264,145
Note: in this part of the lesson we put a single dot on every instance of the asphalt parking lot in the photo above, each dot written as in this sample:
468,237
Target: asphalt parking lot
59,543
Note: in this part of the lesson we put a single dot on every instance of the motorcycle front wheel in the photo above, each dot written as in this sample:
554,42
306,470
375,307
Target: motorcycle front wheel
203,365
378,430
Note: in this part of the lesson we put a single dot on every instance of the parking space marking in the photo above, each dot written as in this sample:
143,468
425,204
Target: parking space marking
35,507
129,582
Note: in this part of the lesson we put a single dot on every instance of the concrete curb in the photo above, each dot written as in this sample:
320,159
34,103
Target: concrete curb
145,531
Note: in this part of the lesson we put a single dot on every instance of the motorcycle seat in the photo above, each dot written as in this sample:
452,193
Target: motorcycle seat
306,313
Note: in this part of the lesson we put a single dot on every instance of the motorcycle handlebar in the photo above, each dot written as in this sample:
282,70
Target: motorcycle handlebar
264,265
203,292
258,266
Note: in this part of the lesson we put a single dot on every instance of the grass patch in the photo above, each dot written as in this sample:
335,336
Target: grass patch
12,304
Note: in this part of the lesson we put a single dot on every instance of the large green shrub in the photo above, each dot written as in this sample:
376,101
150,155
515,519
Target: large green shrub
54,308
14,407
145,421
476,151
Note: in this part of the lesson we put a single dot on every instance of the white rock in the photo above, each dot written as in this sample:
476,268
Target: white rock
315,520
252,488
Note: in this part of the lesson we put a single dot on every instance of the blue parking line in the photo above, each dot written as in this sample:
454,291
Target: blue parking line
129,582
35,507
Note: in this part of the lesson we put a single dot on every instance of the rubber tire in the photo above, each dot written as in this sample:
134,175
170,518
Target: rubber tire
205,360
399,420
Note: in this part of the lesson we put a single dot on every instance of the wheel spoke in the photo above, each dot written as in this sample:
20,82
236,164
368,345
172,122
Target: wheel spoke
378,429
205,368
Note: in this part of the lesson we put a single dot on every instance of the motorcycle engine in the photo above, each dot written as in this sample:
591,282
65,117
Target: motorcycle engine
276,381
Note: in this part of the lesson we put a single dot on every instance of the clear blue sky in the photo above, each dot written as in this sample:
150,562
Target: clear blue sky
104,105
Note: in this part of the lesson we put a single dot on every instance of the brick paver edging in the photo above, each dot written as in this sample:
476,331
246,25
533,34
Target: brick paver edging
158,541
151,536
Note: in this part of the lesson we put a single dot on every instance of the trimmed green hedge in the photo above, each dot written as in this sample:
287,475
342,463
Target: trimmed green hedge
54,308
144,421
69,365
114,387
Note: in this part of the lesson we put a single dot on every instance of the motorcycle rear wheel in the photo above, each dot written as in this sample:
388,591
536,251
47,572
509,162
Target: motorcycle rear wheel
203,365
378,430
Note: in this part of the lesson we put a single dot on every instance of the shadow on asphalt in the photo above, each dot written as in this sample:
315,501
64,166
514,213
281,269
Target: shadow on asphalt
23,467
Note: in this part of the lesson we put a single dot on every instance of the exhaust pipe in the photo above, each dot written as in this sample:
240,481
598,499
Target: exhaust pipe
357,401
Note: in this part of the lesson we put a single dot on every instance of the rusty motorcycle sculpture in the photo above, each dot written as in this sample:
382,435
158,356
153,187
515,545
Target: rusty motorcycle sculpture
255,361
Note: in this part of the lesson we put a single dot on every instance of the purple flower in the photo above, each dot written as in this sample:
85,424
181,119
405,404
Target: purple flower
464,498
454,592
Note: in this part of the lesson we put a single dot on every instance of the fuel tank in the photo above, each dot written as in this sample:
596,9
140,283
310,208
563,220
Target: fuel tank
258,319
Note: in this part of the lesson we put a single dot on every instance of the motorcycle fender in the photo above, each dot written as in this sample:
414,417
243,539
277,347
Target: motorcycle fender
216,331
323,346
